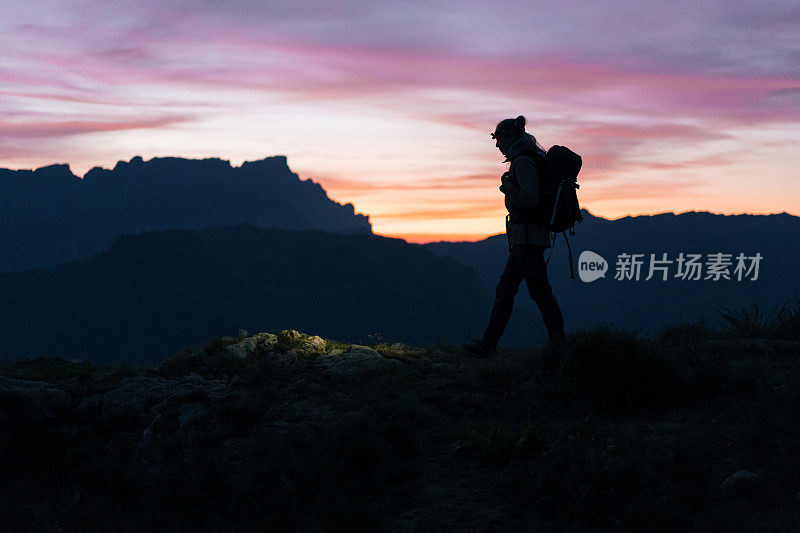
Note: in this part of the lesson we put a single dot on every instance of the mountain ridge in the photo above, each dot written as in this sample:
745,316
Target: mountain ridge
49,215
639,304
587,215
150,294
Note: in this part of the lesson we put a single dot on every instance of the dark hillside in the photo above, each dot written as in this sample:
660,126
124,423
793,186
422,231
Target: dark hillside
695,430
151,294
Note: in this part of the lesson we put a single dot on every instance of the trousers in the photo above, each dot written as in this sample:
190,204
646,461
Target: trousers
525,261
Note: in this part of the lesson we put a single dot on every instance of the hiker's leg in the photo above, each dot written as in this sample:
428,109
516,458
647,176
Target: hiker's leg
503,302
530,259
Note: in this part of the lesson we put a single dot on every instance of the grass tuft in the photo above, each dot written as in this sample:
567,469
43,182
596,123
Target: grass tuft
618,370
752,322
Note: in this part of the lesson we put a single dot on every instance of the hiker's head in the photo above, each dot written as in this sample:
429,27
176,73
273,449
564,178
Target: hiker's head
508,131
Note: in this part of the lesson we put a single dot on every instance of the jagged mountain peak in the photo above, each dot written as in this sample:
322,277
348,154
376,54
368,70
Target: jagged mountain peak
49,215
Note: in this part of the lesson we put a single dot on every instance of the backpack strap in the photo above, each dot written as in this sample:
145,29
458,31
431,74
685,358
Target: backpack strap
569,248
569,251
555,203
552,237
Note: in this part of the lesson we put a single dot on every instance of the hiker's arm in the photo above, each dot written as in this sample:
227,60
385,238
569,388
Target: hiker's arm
527,194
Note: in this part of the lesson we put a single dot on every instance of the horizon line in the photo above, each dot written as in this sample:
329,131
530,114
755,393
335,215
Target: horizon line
429,238
411,237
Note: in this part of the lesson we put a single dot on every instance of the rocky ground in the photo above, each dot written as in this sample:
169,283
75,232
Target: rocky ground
696,430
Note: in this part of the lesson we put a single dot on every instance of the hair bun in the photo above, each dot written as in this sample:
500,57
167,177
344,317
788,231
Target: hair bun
520,120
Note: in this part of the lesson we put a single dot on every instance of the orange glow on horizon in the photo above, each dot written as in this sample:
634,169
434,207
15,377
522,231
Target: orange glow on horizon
424,238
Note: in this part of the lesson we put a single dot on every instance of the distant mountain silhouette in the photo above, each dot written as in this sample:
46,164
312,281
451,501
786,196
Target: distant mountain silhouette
150,294
648,305
49,215
153,293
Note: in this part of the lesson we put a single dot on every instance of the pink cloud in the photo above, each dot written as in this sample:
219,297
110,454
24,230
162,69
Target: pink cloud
715,160
627,191
333,72
46,129
646,132
81,98
562,82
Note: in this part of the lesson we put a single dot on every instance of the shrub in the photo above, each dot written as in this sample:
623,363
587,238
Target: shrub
289,339
617,370
751,322
212,360
788,327
331,344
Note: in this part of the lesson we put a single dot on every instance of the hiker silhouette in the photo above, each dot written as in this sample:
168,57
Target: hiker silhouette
526,239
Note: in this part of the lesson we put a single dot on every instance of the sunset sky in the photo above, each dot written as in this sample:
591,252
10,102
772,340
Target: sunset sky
674,106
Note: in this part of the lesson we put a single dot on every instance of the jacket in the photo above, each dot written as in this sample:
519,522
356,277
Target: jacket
522,196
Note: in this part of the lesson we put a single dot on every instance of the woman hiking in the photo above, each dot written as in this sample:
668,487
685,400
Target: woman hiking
526,240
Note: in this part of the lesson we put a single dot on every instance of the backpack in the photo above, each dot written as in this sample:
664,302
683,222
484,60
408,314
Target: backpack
559,210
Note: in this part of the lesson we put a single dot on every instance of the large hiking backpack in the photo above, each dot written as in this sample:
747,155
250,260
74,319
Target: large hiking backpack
559,210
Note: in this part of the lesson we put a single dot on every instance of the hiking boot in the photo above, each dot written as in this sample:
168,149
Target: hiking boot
477,347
